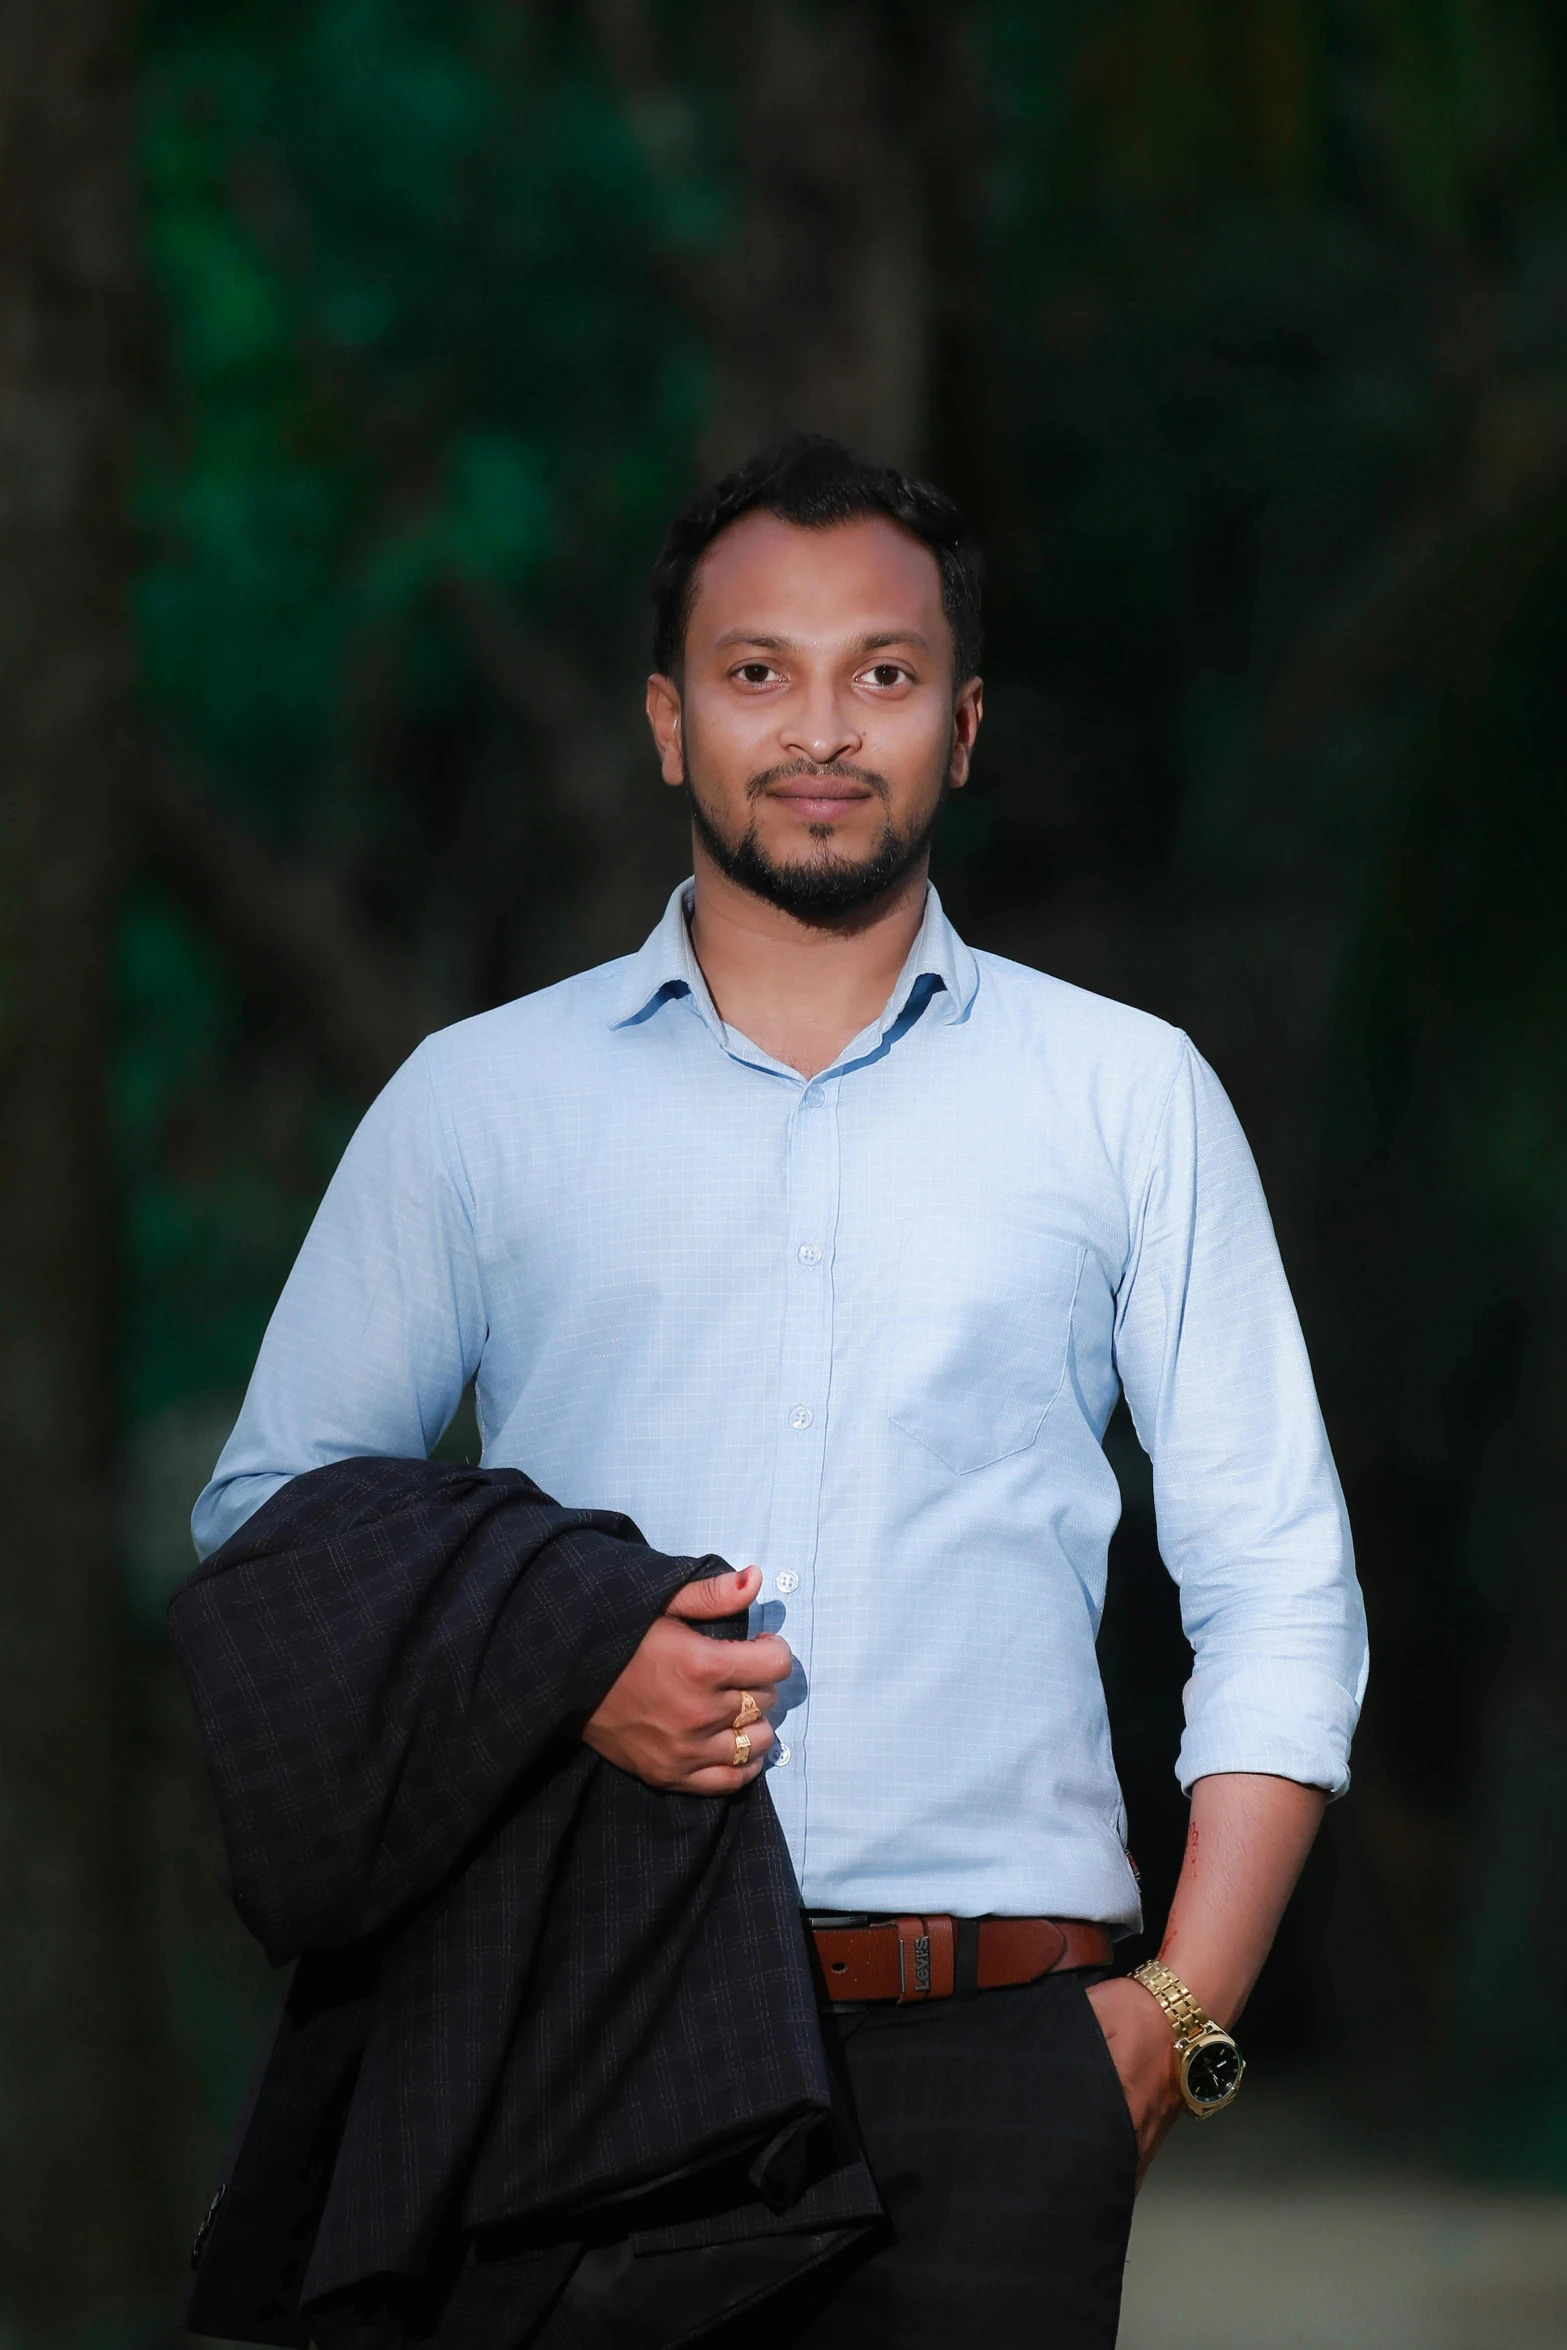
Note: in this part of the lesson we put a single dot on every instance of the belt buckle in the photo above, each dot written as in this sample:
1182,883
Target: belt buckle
913,1959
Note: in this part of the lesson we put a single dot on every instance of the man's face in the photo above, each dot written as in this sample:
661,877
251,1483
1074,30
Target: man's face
816,725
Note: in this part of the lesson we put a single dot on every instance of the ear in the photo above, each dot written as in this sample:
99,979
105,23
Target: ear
967,711
663,715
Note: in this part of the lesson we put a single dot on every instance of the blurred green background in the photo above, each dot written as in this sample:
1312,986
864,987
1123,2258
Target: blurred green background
353,354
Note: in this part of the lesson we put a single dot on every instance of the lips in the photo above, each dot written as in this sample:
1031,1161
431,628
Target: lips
820,803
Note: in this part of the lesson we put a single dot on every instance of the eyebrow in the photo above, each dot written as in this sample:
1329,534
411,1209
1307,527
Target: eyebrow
785,644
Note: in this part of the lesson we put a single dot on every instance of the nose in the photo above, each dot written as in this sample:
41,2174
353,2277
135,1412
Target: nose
821,728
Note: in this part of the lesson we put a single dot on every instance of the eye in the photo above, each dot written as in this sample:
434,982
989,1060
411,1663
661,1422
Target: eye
884,674
755,672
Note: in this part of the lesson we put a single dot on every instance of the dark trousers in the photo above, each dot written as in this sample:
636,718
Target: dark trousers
1003,2151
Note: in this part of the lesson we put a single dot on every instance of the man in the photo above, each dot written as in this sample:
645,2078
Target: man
810,1237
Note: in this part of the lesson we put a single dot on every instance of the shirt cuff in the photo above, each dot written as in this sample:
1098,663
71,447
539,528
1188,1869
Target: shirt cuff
1287,1719
222,1509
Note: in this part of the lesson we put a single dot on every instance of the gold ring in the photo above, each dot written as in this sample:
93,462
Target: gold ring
749,1712
742,1753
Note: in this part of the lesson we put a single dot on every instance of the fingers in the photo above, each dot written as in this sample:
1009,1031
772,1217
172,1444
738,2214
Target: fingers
755,1664
716,1595
749,1664
720,1709
741,1693
732,1665
726,1780
711,1768
761,1734
717,1772
744,1706
669,1718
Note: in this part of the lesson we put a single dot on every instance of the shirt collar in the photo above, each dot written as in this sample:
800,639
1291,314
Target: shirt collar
938,956
667,966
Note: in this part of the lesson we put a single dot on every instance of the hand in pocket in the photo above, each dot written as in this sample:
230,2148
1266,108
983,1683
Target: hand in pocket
1143,2053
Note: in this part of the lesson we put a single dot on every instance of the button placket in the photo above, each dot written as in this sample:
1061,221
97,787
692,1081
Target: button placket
804,1382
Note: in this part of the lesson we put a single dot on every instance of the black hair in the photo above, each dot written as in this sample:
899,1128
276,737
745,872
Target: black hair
816,482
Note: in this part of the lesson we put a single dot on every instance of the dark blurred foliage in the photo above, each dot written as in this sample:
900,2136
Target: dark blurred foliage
1240,329
1240,326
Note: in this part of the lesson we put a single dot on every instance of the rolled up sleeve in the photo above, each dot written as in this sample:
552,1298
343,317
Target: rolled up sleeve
1251,1516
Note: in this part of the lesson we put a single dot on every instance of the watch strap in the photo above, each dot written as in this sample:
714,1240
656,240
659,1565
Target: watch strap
1186,2019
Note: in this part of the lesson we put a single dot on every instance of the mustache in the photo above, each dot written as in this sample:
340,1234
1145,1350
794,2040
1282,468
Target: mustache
839,770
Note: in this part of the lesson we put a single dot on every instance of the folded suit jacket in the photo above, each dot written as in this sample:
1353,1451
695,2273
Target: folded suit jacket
549,2067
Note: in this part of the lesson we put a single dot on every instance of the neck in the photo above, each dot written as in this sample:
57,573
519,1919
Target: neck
798,989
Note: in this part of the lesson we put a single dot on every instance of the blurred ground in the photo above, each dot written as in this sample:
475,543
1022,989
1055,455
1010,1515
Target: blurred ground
1278,2237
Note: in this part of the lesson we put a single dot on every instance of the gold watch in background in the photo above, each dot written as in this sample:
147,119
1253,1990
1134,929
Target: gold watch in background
1210,2064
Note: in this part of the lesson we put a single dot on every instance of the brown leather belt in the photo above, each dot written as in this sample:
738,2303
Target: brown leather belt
941,1957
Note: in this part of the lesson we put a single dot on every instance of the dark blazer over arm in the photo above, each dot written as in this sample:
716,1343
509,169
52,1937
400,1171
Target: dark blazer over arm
531,1991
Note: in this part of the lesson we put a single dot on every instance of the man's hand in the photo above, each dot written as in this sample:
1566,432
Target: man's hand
1247,1843
1143,2052
669,1718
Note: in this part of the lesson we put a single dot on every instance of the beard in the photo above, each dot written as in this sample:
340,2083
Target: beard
826,885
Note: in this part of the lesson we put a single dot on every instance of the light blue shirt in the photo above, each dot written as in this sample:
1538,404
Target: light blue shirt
864,1330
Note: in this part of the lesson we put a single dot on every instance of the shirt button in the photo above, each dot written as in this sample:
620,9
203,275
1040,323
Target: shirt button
801,1416
781,1756
812,1099
810,1254
788,1580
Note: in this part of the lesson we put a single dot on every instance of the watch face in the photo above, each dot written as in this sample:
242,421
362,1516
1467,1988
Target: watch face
1213,2071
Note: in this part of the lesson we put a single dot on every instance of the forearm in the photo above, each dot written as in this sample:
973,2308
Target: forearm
1245,1849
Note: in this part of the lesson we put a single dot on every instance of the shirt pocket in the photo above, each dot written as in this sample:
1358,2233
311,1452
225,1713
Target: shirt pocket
980,1334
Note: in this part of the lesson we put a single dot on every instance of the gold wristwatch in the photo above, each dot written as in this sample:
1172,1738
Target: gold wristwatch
1210,2063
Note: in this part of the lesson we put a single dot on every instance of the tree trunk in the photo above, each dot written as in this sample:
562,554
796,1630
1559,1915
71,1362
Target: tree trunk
816,317
66,2234
821,311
